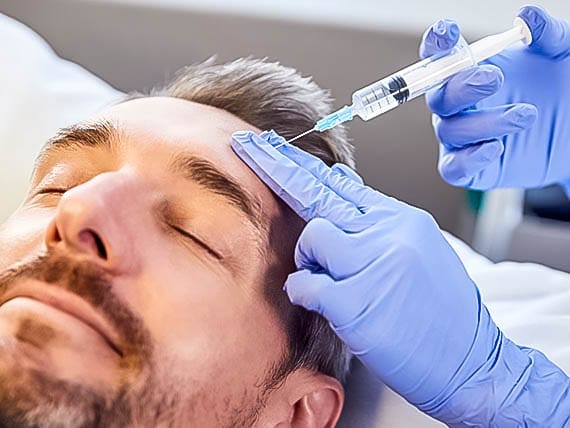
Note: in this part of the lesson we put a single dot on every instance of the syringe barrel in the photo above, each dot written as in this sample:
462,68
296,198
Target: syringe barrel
410,82
418,78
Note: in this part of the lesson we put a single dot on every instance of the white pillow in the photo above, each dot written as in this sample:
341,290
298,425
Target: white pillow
41,93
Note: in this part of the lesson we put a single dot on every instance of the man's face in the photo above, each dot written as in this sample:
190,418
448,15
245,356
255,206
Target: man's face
133,279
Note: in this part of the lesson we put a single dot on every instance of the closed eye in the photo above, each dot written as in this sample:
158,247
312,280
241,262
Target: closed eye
51,190
184,233
197,241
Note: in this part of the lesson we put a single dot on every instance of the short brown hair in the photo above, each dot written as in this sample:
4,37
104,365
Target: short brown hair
271,96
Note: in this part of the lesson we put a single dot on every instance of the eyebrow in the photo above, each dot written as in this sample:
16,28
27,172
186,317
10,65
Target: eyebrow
104,134
207,175
99,134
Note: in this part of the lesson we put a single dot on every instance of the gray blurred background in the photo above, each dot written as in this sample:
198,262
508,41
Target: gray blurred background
134,44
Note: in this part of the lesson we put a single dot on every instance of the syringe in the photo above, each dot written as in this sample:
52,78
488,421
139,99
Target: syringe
415,80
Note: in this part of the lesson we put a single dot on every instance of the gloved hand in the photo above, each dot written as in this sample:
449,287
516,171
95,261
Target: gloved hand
394,290
506,123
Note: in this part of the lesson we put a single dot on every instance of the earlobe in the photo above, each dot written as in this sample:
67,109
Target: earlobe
320,405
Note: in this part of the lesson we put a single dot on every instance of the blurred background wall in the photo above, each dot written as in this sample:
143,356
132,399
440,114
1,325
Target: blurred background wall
134,44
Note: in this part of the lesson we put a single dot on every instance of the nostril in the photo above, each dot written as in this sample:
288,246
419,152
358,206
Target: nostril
56,235
100,247
91,241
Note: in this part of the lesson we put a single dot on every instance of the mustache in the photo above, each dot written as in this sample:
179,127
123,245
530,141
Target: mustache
91,283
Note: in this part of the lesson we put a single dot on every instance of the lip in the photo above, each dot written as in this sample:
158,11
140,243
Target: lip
72,305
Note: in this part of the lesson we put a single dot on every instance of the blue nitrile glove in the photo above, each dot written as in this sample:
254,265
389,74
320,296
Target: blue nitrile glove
393,289
506,123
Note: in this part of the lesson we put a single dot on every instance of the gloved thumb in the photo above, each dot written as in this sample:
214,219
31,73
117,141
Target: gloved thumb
313,291
550,36
440,38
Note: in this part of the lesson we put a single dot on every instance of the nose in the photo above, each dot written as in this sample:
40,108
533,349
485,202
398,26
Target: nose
92,221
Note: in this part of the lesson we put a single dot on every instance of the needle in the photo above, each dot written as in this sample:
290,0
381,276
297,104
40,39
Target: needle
295,138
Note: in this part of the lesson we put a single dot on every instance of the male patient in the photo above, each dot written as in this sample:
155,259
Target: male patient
140,280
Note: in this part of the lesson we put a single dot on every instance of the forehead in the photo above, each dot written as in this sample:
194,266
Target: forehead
161,126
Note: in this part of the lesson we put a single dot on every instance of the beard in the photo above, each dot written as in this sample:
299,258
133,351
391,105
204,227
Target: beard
157,395
32,398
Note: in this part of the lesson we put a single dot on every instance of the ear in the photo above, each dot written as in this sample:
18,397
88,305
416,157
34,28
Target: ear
310,400
319,406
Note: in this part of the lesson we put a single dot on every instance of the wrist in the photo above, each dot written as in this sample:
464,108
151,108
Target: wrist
488,375
479,400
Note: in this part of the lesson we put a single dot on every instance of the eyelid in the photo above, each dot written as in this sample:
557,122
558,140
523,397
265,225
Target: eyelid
46,190
197,241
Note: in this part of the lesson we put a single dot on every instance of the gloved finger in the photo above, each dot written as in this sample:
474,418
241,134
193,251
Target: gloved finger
550,35
339,303
299,188
319,293
309,290
459,167
348,172
372,205
465,89
472,126
323,246
350,190
440,38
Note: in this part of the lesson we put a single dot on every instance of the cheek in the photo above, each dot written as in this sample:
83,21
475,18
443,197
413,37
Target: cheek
23,235
206,321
